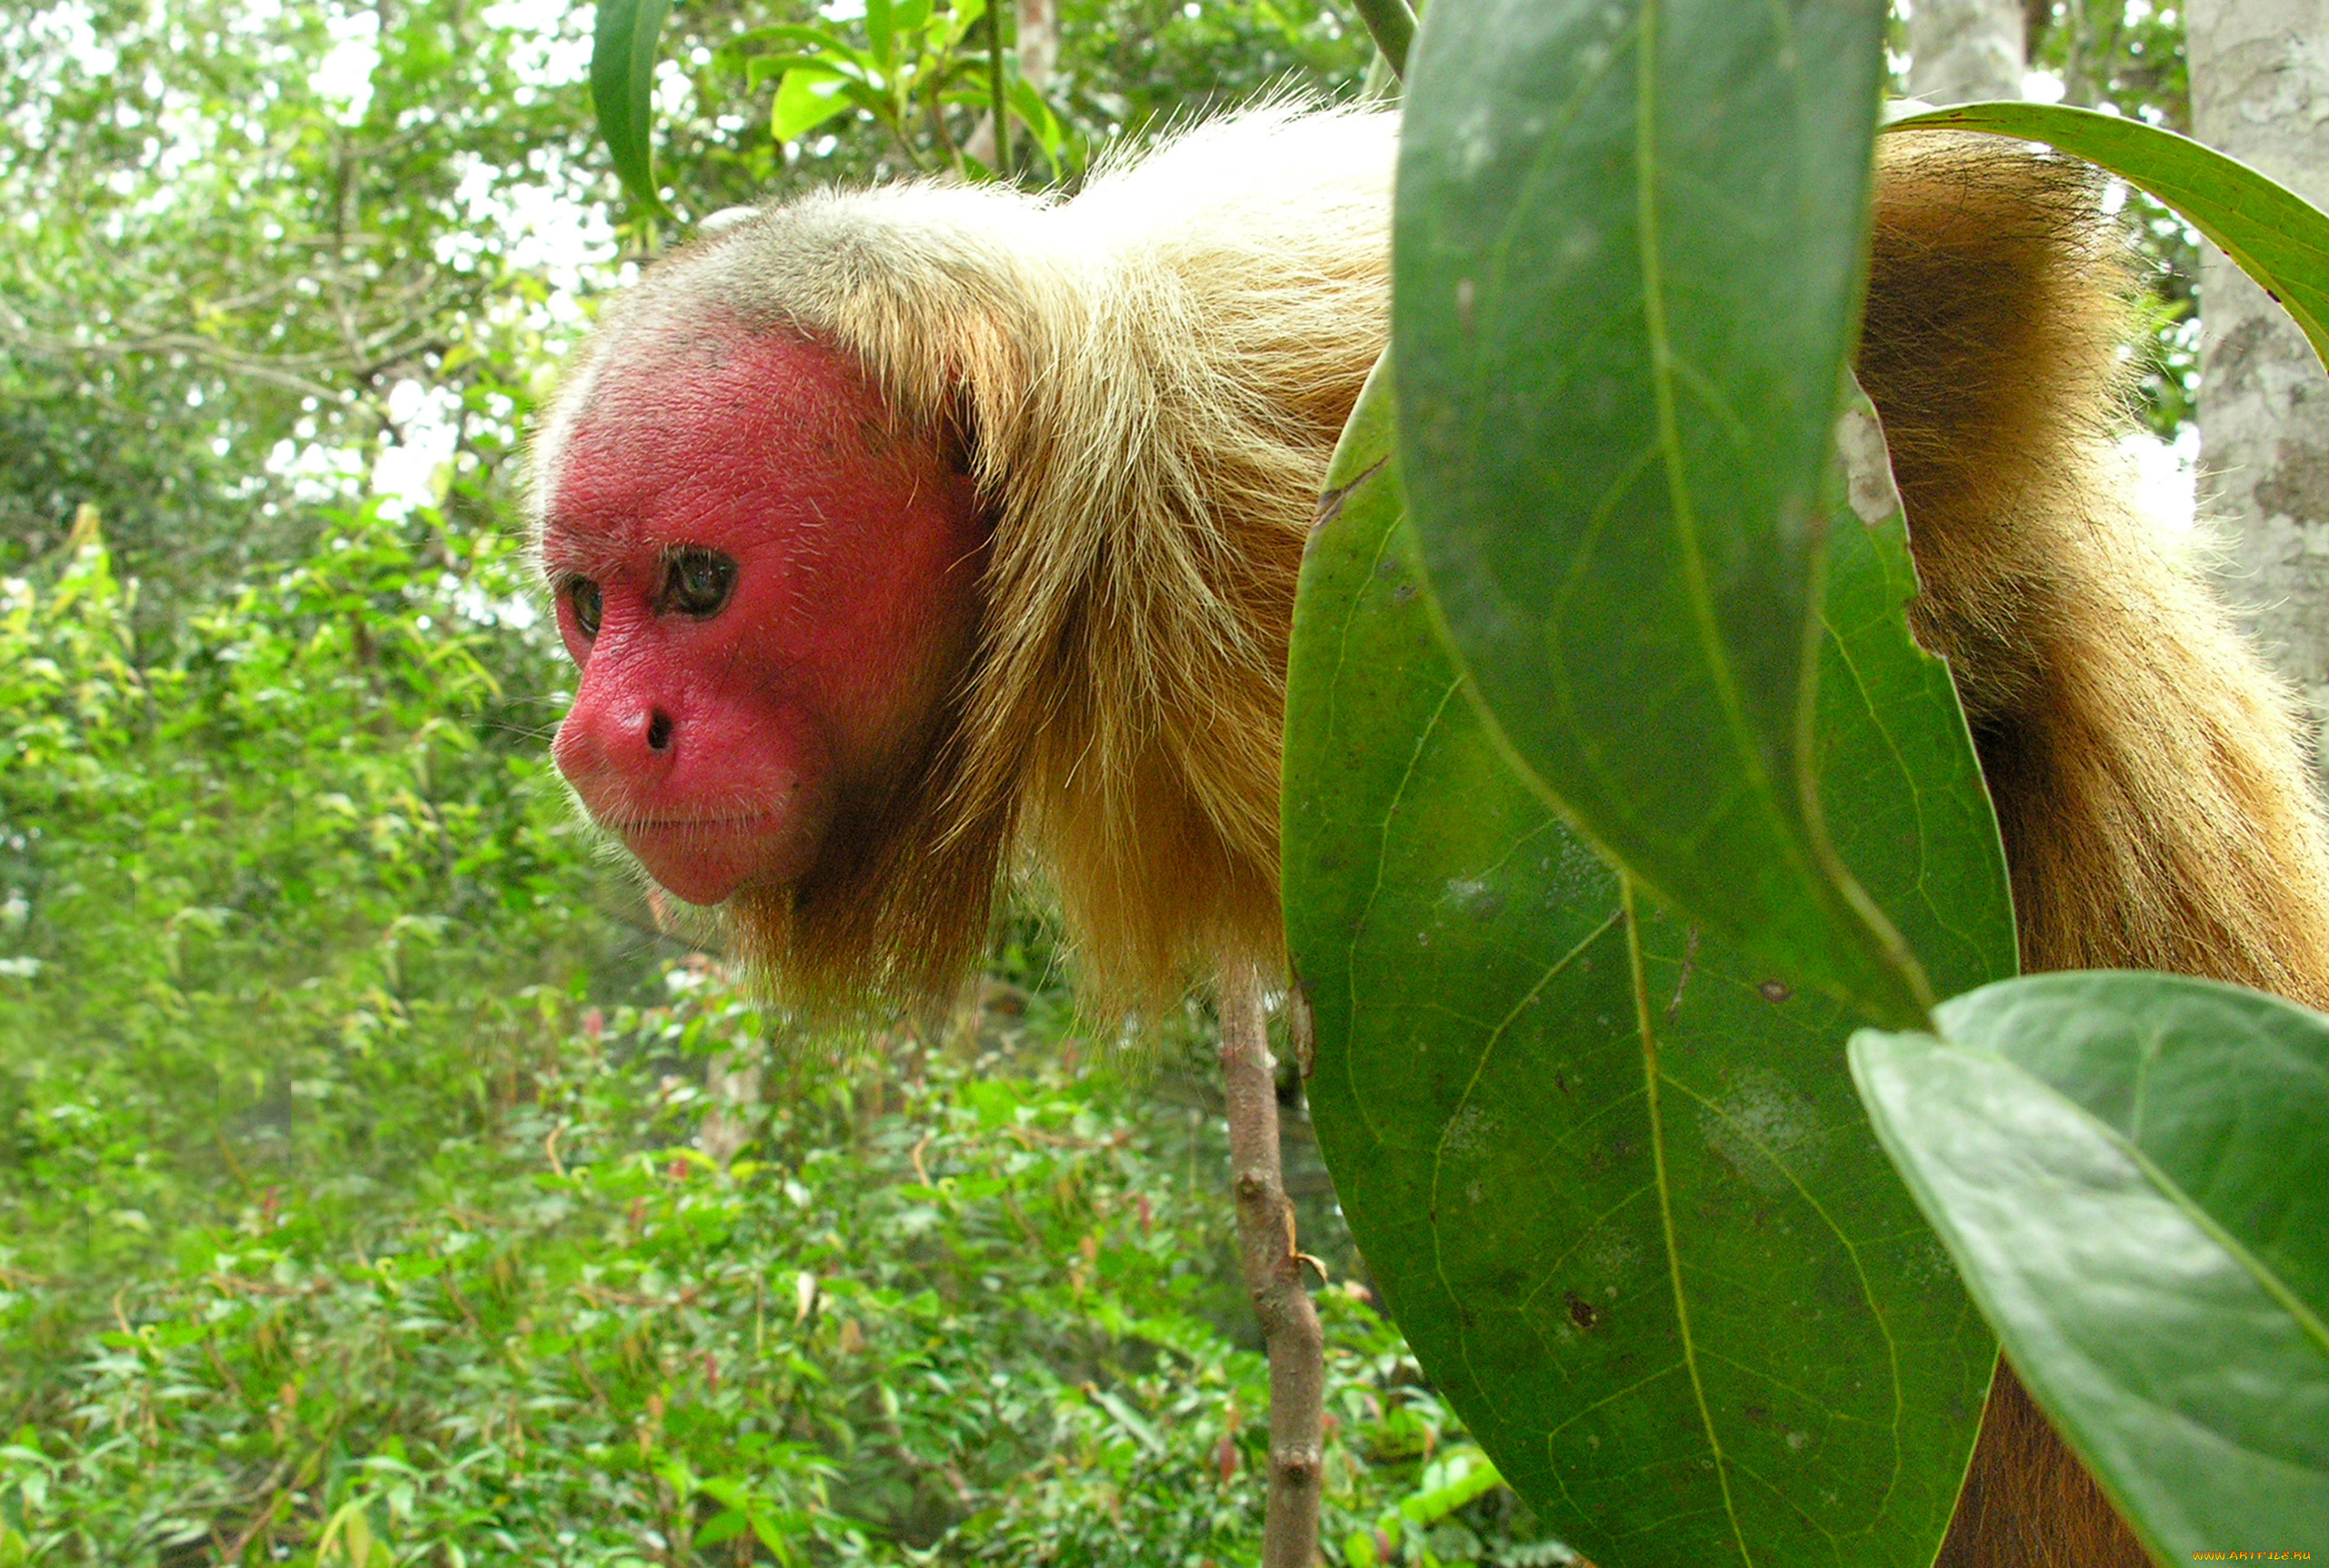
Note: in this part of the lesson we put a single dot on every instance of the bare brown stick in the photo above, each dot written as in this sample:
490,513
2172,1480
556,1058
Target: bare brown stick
1274,1275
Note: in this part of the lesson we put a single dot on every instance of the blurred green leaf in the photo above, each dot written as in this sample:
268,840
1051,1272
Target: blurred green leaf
1392,25
1035,113
2278,238
960,18
1450,1482
814,39
2131,1172
881,30
1628,247
725,1525
762,68
806,98
1609,1169
623,85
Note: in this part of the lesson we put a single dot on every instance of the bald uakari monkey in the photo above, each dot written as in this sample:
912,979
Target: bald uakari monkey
903,534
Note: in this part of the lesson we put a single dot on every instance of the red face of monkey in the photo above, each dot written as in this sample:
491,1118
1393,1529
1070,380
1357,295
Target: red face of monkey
767,588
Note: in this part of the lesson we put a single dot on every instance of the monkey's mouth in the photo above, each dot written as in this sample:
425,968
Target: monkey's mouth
705,859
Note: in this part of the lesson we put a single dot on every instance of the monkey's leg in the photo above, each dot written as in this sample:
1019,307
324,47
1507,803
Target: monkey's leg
1273,1271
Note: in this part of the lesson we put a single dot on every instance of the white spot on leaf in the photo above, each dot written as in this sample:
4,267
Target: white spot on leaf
1867,466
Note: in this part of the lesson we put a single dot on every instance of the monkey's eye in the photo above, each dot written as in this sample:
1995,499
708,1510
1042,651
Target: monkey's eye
698,581
588,604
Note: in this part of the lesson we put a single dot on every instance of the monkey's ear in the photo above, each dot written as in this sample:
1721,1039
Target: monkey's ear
958,435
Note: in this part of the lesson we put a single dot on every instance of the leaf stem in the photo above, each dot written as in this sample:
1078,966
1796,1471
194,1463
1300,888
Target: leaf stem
1392,27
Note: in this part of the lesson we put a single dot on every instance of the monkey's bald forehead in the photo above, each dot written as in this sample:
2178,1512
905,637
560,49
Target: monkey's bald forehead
715,405
654,372
638,366
644,376
731,282
818,272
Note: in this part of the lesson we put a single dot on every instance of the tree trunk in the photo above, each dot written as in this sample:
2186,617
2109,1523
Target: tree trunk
2260,91
1963,51
1273,1270
1038,41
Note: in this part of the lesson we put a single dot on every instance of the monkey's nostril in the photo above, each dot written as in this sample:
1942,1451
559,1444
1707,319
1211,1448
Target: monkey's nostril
659,731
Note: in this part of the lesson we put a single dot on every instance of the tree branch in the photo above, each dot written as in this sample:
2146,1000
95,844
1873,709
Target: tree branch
1273,1270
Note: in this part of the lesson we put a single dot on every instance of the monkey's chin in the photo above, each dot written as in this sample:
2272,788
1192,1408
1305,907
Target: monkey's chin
707,863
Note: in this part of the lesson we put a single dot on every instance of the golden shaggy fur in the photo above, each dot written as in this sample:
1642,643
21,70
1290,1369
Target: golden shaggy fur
1151,377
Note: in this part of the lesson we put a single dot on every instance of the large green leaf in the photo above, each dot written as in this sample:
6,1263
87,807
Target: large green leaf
1627,256
622,87
2278,238
2132,1172
1610,1172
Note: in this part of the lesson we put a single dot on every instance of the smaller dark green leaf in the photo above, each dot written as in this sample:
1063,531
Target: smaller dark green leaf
2278,238
622,87
2133,1174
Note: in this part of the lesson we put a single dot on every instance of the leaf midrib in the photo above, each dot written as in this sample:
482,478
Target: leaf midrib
1649,1031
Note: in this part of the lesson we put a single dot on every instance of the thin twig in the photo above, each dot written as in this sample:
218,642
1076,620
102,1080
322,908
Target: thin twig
1273,1270
261,1517
944,139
